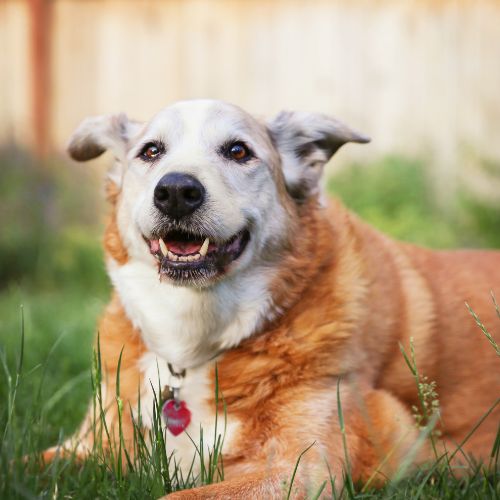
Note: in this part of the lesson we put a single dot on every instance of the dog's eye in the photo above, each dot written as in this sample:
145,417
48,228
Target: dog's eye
239,151
151,150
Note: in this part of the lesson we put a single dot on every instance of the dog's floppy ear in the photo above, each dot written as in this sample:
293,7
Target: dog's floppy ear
306,141
97,134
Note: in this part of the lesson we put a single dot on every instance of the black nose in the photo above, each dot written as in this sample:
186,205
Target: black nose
178,194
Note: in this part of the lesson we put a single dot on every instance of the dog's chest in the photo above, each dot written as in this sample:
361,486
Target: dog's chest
198,393
187,328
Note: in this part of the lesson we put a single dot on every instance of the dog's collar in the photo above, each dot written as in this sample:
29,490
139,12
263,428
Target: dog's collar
175,412
175,381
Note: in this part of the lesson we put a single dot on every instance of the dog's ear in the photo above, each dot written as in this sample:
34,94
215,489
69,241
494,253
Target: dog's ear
306,141
97,134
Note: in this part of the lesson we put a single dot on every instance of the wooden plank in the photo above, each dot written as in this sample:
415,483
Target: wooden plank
40,18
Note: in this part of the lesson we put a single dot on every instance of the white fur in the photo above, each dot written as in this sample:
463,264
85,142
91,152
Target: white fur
188,326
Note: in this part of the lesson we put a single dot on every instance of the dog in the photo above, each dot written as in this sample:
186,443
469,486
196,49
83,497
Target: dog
231,268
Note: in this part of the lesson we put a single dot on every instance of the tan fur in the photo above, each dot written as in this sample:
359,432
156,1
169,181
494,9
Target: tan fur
344,297
112,242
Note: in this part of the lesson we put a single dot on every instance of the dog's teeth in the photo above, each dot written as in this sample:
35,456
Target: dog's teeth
171,256
183,258
196,256
163,247
204,248
190,258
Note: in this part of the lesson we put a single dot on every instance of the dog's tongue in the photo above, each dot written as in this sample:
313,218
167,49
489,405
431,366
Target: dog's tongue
183,247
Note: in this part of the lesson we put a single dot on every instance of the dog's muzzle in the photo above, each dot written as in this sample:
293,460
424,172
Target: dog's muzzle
185,255
190,259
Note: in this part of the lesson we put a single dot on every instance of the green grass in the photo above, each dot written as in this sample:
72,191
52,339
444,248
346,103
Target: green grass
59,330
53,287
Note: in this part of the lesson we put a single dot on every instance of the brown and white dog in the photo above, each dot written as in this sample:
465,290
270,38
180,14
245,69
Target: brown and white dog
222,250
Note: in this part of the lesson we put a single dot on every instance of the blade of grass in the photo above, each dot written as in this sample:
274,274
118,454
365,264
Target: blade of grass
481,326
65,389
292,479
348,478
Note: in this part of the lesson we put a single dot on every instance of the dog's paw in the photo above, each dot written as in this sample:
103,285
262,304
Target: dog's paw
186,495
212,491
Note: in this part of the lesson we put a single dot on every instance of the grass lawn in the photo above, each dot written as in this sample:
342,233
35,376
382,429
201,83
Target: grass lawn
48,313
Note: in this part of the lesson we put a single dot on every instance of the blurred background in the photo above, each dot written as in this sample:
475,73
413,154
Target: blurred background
422,78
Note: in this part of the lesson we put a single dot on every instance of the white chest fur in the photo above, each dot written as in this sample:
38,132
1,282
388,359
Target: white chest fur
186,326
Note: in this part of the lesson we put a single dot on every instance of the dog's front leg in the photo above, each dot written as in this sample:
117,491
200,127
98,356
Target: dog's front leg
267,484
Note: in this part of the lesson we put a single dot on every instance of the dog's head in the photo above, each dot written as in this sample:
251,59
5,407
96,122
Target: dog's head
207,190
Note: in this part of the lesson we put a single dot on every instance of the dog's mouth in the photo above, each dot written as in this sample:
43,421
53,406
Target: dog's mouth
188,258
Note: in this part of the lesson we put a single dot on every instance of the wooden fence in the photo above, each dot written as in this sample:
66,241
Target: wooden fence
422,77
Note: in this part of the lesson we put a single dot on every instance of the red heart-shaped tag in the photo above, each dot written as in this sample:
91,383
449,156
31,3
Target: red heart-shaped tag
176,415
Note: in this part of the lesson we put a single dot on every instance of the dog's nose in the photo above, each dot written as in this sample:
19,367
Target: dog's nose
178,194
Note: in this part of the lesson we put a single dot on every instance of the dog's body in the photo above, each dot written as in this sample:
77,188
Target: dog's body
299,294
